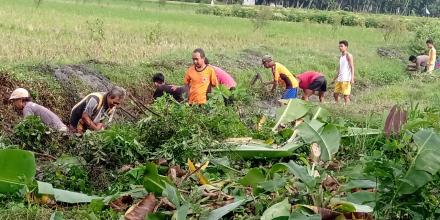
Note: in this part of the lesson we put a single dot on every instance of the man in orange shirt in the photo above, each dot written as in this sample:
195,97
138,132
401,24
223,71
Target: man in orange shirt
198,78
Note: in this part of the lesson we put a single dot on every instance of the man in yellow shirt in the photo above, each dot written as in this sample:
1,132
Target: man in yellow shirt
432,55
282,76
198,78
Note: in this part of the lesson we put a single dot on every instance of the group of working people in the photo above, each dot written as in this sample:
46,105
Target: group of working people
424,63
94,110
202,76
89,114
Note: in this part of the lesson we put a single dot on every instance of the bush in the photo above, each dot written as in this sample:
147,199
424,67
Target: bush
32,134
424,32
185,131
118,145
372,23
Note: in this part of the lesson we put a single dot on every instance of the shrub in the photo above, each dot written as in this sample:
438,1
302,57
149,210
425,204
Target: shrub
424,32
32,134
185,131
114,146
371,22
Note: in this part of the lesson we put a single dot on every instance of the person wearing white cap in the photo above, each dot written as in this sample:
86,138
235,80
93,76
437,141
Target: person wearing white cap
22,102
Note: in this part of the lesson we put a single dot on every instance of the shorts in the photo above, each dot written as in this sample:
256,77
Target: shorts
430,68
291,93
319,84
343,88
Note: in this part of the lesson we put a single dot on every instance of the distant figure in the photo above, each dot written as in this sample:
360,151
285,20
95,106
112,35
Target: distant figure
281,75
23,104
198,78
91,112
419,63
432,54
345,77
311,82
161,87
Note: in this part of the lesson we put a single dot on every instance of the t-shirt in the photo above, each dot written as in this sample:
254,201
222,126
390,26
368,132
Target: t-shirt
432,56
224,78
90,105
177,94
306,78
198,82
283,76
47,116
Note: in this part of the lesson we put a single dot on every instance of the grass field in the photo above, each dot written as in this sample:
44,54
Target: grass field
129,41
144,37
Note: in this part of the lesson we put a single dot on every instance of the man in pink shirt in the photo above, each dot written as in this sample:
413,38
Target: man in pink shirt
310,82
223,77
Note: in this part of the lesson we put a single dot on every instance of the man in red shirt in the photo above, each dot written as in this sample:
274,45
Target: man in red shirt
310,82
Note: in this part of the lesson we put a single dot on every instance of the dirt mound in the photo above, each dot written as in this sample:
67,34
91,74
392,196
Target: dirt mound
391,53
250,59
74,78
7,114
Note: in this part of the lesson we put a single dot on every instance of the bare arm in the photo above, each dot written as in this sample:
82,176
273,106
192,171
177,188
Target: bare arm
90,124
351,63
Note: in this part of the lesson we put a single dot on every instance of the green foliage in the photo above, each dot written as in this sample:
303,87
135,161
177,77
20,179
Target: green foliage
67,173
18,169
32,134
186,131
423,32
115,146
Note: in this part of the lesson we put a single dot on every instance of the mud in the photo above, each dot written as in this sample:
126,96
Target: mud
69,75
391,53
8,116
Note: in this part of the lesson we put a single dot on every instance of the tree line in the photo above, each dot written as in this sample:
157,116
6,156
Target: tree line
400,7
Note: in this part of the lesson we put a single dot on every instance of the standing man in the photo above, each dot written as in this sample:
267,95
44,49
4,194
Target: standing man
281,75
432,54
93,109
23,104
311,82
198,78
345,77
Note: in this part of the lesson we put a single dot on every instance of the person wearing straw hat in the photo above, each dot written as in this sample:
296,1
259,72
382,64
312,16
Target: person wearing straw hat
22,102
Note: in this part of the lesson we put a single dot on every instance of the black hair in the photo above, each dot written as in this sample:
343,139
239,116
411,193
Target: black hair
200,51
159,78
206,61
412,58
344,42
27,99
430,41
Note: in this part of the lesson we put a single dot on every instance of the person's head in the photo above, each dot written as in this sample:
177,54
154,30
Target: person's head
19,97
198,57
115,96
267,61
413,58
158,79
430,43
343,46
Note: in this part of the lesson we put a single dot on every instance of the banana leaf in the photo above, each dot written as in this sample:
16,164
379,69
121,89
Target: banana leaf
327,137
293,110
17,169
63,195
256,151
426,162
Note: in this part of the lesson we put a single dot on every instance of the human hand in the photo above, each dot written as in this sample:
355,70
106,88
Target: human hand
352,81
173,87
99,126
